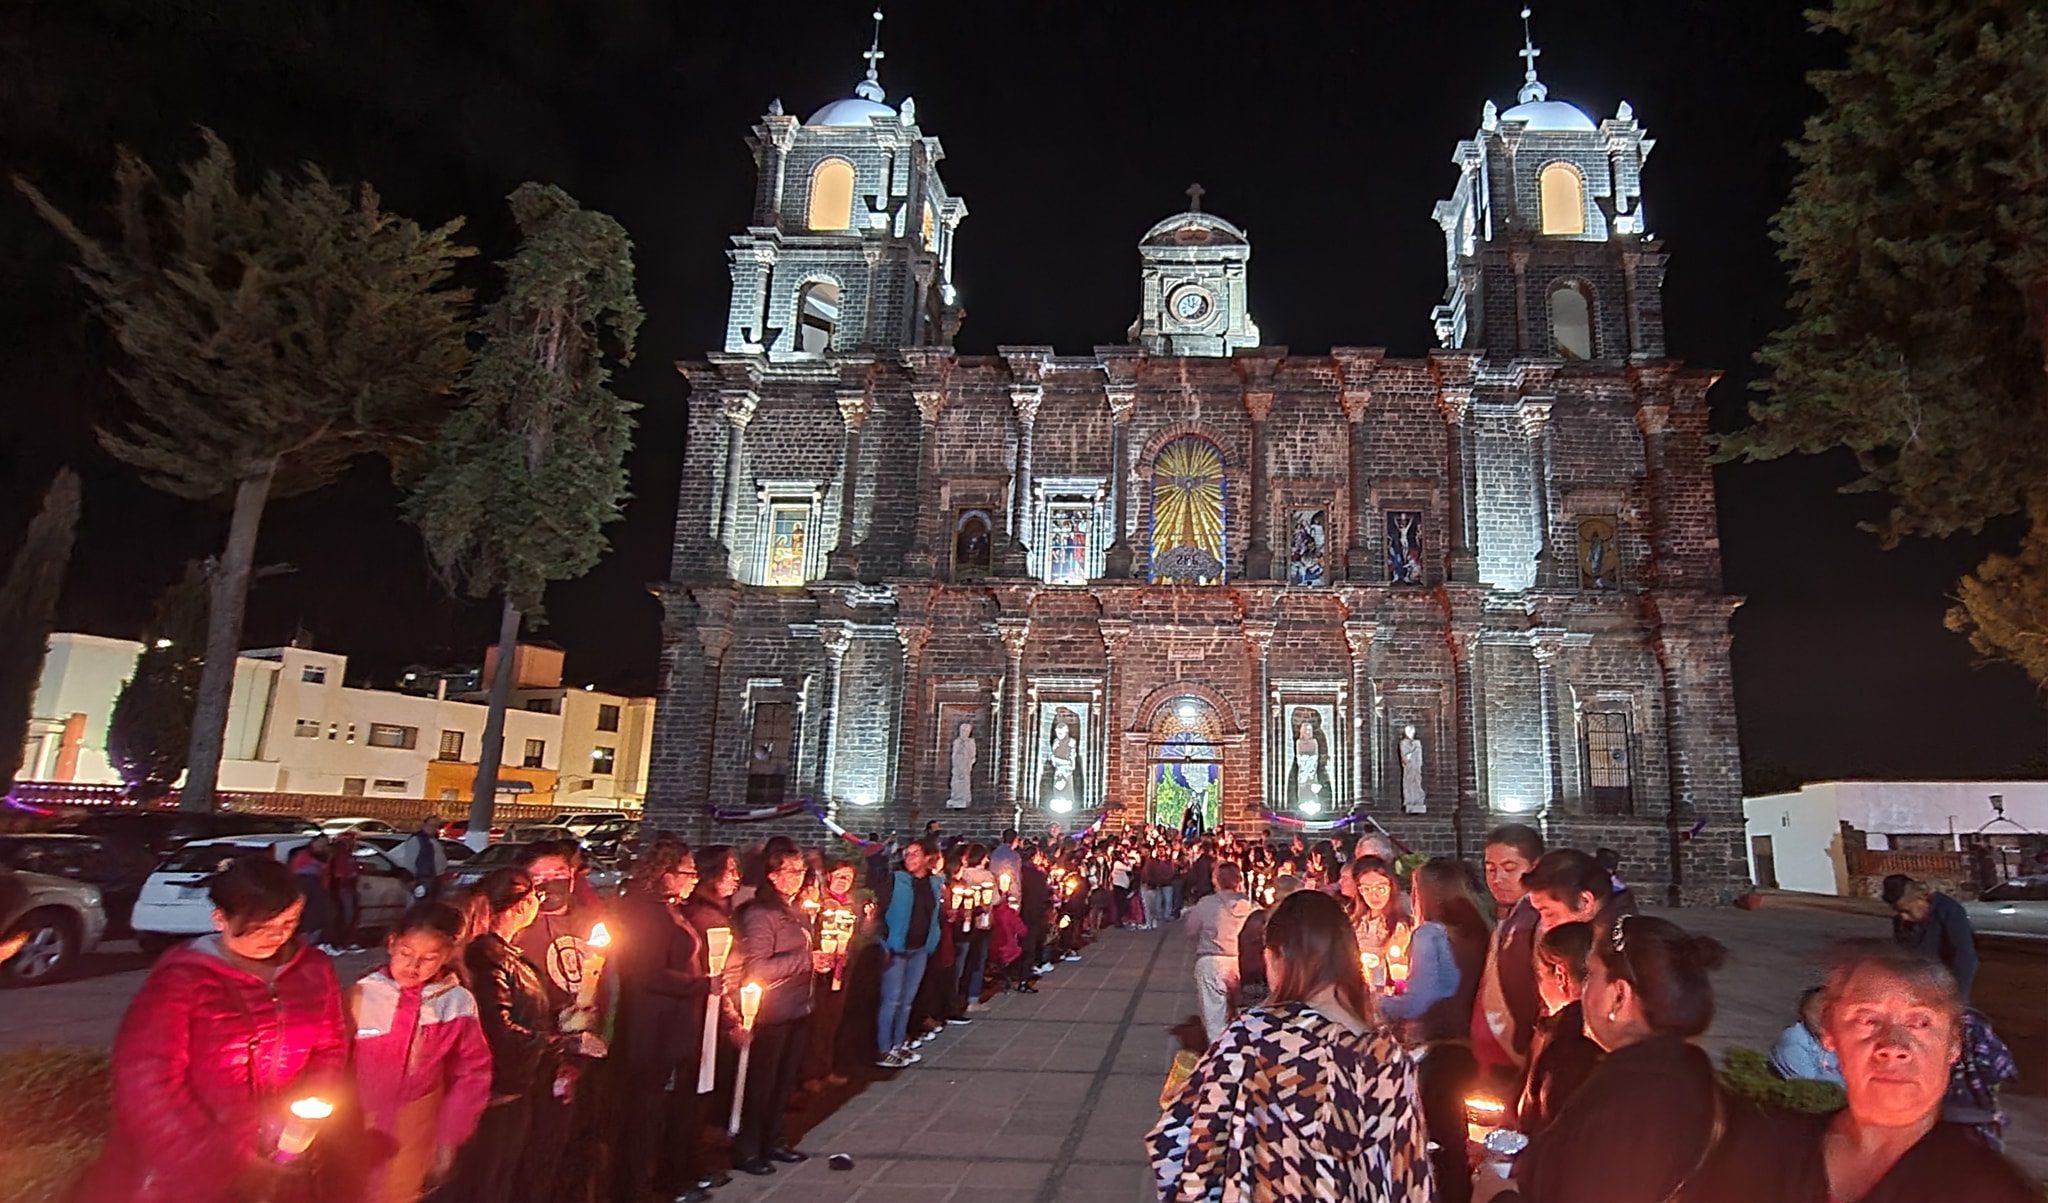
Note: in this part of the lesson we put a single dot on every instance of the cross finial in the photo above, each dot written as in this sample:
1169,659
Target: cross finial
871,87
1195,194
1532,88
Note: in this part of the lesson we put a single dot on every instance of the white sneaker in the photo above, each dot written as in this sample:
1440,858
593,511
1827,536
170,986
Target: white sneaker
891,1060
1072,956
908,1056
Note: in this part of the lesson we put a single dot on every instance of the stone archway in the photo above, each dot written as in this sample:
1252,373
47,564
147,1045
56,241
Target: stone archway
1184,763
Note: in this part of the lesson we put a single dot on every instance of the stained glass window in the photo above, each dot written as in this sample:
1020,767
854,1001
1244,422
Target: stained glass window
788,534
1069,532
1187,513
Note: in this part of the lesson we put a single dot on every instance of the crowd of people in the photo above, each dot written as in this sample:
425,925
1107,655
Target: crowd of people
1517,1030
1363,1017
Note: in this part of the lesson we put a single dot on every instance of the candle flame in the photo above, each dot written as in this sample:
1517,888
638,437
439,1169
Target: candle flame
1485,1105
312,1107
599,937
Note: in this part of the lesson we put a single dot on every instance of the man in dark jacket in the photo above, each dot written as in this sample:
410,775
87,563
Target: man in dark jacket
1933,925
1036,893
771,949
664,984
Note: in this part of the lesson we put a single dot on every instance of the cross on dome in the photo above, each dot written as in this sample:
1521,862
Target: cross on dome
1532,88
1195,194
871,87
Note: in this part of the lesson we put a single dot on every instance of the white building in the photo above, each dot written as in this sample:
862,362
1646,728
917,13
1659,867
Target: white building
1804,840
293,727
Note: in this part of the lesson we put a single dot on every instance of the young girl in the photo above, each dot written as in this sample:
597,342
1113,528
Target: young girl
422,1068
1561,1055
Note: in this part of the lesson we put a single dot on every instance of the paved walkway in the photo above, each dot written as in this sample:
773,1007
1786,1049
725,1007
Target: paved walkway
1043,1099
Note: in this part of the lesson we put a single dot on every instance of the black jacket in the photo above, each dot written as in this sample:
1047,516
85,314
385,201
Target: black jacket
664,977
1777,1156
1561,1058
1649,1110
518,1020
772,946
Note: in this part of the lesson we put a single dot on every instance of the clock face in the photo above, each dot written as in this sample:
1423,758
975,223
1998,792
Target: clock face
1191,304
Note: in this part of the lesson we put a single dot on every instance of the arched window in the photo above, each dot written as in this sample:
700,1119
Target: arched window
1571,322
817,316
1563,193
831,195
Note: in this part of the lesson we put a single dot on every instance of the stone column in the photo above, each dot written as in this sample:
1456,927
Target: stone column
921,266
1546,647
1258,559
855,401
1024,402
1464,649
1550,565
1115,633
738,408
1519,261
911,722
1358,561
1258,633
1014,631
781,136
1119,560
1463,561
836,639
922,560
1705,762
716,641
1358,637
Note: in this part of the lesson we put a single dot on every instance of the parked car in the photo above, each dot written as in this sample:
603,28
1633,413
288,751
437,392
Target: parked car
579,822
88,860
64,921
457,850
361,826
606,875
2014,908
527,833
174,905
153,834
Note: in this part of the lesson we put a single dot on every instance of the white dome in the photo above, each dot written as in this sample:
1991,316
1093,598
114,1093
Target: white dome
854,112
1551,115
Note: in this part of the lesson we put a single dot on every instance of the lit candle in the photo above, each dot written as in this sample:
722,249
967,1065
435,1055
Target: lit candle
307,1114
583,1015
1375,970
750,1004
717,947
1483,1114
1004,882
599,937
719,943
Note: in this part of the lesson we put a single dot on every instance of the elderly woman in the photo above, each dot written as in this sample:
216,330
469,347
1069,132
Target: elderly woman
1894,1021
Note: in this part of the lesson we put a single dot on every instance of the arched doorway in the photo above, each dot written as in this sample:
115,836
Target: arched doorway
1185,769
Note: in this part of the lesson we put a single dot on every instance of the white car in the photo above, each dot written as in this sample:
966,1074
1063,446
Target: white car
581,822
174,905
362,826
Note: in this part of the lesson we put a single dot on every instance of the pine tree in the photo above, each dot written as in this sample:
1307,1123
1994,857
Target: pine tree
1917,238
270,337
517,490
150,729
28,607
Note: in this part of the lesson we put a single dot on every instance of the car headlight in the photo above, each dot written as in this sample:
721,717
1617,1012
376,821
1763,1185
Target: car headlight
93,895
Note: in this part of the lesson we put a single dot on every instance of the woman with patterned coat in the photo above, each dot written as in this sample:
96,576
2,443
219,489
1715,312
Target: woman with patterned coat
1300,1098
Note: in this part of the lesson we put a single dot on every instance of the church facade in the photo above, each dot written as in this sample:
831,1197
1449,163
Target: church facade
1189,571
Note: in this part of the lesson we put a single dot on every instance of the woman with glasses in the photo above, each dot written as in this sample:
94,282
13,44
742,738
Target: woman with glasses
664,984
1645,1121
1895,1022
1302,1098
771,948
1378,920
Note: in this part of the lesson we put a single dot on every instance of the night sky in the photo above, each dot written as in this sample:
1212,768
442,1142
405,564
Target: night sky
1324,129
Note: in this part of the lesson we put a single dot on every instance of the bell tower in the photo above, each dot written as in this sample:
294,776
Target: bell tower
1545,247
1192,298
850,245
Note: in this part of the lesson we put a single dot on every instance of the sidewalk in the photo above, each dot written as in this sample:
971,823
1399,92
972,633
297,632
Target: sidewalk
1042,1099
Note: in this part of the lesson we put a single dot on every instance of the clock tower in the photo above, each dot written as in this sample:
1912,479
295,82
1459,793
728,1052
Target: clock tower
1192,300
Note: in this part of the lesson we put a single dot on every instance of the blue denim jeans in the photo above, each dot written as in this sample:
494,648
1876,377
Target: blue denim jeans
902,973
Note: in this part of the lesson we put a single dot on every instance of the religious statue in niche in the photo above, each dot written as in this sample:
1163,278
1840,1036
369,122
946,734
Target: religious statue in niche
1061,768
1067,545
1598,564
1309,785
1404,547
1306,548
963,753
786,540
973,545
1413,800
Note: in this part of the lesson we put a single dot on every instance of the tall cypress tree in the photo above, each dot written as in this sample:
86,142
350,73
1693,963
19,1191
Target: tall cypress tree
1916,236
271,336
529,470
28,607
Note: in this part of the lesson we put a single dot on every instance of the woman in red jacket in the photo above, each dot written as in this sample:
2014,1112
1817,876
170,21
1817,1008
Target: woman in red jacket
228,1031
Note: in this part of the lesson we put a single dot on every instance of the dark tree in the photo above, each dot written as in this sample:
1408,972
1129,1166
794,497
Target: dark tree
28,605
151,726
530,468
271,337
1917,239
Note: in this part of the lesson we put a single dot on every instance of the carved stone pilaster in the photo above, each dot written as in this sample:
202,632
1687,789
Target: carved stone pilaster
1014,631
856,400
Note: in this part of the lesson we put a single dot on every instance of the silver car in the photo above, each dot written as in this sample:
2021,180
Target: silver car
64,920
2012,908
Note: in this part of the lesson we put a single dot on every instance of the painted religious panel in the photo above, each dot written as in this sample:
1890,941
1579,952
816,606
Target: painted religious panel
1063,785
1308,548
1070,529
1599,567
1404,547
1309,788
788,542
1187,513
965,751
973,544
